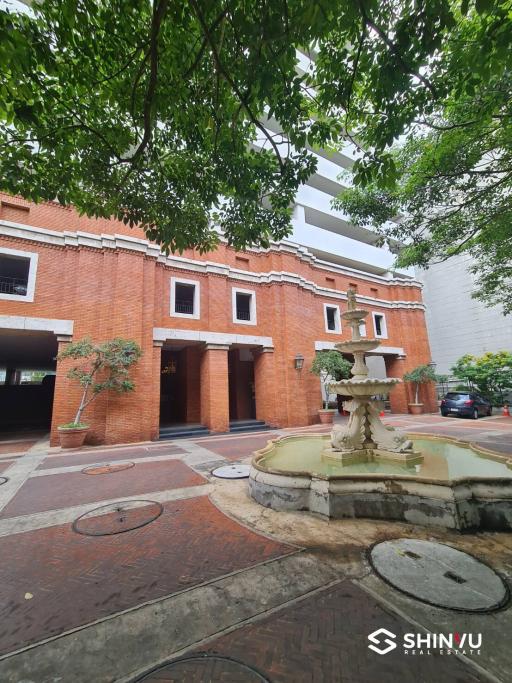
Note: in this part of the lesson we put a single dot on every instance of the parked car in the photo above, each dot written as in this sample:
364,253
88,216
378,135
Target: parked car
465,405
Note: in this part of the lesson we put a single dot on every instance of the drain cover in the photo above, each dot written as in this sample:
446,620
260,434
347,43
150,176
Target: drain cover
116,518
3,480
205,668
108,468
439,575
231,472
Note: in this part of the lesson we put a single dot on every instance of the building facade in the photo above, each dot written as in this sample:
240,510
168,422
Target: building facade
220,332
458,324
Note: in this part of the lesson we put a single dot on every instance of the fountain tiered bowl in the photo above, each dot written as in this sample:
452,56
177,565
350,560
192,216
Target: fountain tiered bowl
367,469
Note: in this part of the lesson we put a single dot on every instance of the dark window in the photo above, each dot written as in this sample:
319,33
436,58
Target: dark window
452,396
184,298
243,306
378,325
14,274
331,318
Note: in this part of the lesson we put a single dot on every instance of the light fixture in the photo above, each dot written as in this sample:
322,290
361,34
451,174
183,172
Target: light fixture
299,361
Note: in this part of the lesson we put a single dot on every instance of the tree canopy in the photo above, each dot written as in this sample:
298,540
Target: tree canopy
157,112
452,188
491,373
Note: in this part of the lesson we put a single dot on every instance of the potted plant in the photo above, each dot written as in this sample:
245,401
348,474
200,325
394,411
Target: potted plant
105,367
329,366
423,374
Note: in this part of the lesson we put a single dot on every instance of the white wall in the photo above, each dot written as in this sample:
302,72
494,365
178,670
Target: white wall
457,323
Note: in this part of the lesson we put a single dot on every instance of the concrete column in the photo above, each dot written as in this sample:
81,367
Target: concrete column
265,383
215,387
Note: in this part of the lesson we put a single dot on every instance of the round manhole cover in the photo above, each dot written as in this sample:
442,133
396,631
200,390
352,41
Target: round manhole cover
3,480
439,575
231,472
205,668
116,518
108,468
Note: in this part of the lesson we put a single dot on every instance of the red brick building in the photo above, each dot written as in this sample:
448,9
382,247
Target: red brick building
219,332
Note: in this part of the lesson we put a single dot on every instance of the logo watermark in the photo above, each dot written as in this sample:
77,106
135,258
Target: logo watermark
383,641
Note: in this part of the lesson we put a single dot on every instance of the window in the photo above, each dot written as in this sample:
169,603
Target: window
185,298
332,319
244,306
379,325
17,274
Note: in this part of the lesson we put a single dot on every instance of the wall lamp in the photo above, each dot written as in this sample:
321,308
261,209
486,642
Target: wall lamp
299,361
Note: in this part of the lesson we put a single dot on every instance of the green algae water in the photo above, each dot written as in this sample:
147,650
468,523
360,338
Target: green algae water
441,460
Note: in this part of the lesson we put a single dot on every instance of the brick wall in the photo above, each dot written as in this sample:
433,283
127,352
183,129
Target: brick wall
122,292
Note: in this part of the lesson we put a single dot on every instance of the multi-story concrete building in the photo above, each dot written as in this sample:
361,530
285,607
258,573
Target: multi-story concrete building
222,333
457,323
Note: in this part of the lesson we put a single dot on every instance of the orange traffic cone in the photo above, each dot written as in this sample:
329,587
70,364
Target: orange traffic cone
382,413
506,411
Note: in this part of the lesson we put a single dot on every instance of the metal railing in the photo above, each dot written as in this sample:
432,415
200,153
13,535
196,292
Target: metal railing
13,285
243,314
184,307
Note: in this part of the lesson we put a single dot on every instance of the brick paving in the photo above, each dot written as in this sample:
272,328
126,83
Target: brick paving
4,464
84,457
234,448
53,492
323,639
75,579
8,447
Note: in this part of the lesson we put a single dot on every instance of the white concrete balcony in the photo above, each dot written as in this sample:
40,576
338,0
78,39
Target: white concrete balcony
343,250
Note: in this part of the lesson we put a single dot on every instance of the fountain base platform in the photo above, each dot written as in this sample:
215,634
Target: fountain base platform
453,486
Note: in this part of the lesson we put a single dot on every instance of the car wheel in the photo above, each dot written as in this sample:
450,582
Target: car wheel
444,414
475,414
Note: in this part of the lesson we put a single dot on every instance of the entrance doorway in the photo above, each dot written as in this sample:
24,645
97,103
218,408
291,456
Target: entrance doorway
242,399
180,390
27,379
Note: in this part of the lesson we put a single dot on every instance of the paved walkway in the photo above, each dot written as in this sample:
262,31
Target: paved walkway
212,586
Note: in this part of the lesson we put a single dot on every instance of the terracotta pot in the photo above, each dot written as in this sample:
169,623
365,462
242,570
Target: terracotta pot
416,408
326,416
72,438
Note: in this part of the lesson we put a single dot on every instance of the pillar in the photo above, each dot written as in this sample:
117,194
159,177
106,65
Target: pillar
67,394
265,386
191,358
215,387
398,397
156,370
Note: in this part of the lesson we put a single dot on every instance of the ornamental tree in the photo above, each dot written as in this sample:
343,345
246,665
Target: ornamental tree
176,116
491,373
330,365
422,374
105,367
451,180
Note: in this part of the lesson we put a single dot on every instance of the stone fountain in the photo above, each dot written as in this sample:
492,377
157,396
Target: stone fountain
365,438
365,469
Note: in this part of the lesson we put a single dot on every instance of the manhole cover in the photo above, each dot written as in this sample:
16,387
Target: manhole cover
108,468
116,518
3,480
205,668
439,575
231,472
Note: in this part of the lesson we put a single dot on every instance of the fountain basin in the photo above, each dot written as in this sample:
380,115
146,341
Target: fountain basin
456,486
364,387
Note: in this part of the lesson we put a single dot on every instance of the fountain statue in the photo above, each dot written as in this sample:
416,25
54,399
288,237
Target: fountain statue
365,469
365,438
